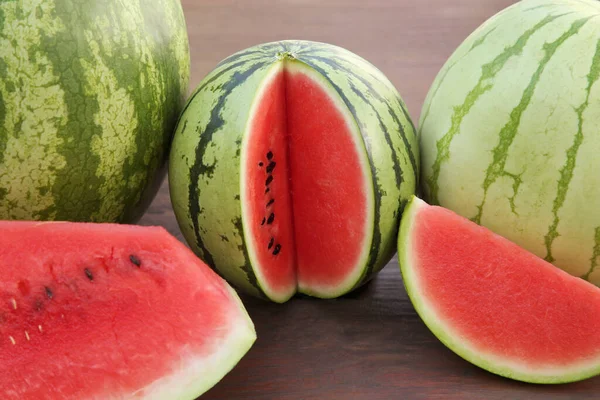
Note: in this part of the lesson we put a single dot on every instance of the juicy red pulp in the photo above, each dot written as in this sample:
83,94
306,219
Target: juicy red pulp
100,310
306,186
500,298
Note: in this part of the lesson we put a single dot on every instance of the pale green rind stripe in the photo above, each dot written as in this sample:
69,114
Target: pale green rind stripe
595,255
30,81
488,72
532,184
120,68
508,132
566,172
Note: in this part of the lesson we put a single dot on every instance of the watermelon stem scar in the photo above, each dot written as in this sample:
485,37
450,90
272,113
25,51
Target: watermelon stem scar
285,150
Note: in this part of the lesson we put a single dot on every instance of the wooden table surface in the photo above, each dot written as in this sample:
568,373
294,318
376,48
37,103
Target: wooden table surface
370,344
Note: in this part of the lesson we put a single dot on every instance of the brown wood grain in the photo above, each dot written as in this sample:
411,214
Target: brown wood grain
370,344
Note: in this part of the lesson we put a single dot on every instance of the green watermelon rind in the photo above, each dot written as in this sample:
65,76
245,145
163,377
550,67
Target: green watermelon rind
452,340
234,348
200,184
508,131
91,95
195,357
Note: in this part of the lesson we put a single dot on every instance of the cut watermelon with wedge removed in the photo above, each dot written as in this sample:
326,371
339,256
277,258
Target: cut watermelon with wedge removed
290,167
495,304
103,311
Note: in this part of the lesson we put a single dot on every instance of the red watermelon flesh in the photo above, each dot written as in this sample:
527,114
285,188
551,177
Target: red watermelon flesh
102,311
495,304
307,188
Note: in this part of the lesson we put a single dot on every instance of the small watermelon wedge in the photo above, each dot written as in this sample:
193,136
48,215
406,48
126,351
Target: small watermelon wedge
495,304
103,311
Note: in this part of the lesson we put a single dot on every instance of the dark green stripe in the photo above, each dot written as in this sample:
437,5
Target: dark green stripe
376,242
485,83
595,255
151,139
205,83
566,172
247,267
3,133
398,176
199,168
393,114
261,51
373,93
283,46
481,40
449,68
409,149
77,180
77,188
239,56
509,131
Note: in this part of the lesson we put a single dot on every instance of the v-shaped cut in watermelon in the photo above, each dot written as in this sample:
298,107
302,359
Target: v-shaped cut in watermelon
307,194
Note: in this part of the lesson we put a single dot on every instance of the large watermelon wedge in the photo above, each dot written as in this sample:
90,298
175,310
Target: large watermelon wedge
494,303
509,131
101,311
90,92
290,167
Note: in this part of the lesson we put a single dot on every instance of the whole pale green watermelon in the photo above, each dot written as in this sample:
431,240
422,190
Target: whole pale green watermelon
90,92
510,131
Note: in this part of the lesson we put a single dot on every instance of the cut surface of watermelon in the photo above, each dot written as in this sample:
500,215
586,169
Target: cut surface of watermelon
308,193
102,311
290,167
495,304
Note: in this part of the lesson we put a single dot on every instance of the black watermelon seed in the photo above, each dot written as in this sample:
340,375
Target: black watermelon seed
269,180
267,190
271,167
136,261
260,164
277,249
269,155
263,221
271,243
270,202
271,218
49,293
89,274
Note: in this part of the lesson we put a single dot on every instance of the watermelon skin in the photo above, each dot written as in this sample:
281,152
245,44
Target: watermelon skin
508,132
103,311
494,303
205,162
89,99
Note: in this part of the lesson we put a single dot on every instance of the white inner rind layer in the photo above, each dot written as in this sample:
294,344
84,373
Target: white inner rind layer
358,269
444,330
199,372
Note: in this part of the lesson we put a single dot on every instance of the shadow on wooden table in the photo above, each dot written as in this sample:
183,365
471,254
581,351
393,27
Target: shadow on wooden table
367,345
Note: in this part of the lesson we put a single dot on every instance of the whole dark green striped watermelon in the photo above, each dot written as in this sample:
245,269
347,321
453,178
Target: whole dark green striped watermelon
290,169
510,131
90,92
